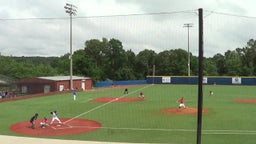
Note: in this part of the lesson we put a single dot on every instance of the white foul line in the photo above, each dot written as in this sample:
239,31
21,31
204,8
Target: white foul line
204,132
100,106
86,100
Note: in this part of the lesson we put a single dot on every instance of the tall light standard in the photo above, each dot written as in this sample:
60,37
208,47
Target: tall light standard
188,25
71,10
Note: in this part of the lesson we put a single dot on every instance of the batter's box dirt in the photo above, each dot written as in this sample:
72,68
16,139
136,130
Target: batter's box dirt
69,127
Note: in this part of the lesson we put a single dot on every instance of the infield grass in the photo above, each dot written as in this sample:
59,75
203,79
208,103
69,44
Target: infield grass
227,122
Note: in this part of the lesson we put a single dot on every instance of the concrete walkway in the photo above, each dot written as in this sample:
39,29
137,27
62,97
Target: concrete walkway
26,140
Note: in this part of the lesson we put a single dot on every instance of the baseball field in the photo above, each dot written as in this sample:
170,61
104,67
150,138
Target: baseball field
109,115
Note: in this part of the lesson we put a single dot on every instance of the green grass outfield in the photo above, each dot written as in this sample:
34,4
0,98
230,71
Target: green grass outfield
227,122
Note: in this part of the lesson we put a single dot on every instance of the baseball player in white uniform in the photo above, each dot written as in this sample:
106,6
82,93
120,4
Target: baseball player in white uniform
55,117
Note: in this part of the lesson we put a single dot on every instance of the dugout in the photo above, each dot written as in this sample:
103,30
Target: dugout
53,84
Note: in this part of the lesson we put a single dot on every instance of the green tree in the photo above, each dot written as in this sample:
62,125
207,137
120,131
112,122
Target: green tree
8,66
210,68
180,62
118,61
248,58
233,63
172,62
63,65
95,53
219,61
80,63
163,63
130,74
193,65
144,63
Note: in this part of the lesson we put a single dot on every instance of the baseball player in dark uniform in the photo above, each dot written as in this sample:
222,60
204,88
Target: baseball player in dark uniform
33,120
126,91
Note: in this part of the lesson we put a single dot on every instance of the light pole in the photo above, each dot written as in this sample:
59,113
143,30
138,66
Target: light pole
188,25
71,10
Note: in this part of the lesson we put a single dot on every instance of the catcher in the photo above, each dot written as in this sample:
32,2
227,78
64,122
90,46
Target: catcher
43,122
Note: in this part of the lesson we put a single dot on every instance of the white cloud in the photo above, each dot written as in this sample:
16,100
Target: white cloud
50,37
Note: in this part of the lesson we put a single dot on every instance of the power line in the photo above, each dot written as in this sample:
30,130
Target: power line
142,14
229,14
22,19
130,15
102,16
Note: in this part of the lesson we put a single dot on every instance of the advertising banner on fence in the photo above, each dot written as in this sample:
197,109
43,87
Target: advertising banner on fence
205,80
236,80
166,79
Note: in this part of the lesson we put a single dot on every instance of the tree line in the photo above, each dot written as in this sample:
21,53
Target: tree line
107,60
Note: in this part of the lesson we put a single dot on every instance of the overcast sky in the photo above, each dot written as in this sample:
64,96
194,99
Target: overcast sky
41,27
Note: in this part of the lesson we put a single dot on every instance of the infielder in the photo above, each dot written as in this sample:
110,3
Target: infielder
210,93
126,91
55,117
141,95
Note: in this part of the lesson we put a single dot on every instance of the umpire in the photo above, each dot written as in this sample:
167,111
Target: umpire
33,120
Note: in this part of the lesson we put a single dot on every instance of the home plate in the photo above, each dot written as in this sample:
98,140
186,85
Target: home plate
71,127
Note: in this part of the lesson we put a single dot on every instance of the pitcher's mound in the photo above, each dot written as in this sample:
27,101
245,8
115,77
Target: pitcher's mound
116,99
252,101
182,111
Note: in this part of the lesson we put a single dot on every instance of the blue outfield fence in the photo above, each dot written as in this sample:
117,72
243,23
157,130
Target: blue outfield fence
206,80
103,84
128,82
182,80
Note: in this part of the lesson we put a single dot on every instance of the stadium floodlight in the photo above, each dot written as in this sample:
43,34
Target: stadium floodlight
71,10
188,25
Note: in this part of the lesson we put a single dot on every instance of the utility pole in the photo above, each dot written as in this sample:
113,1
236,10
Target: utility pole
200,75
188,25
71,10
